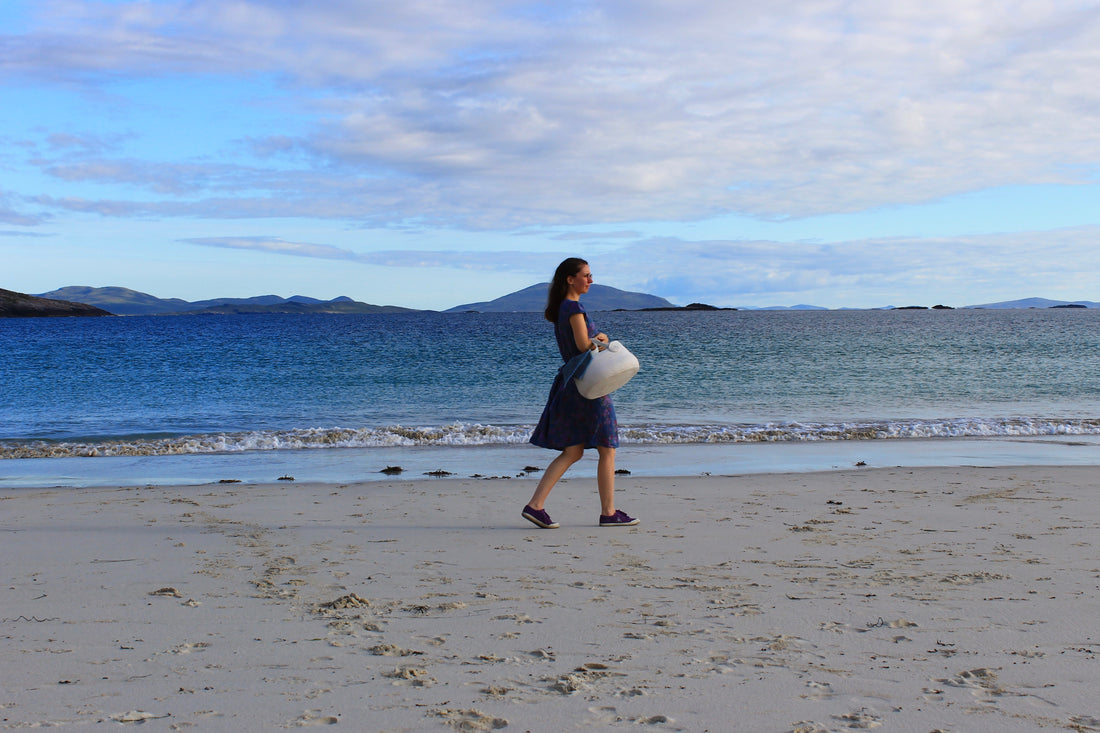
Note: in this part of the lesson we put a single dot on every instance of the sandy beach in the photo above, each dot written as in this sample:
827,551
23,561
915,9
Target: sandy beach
950,599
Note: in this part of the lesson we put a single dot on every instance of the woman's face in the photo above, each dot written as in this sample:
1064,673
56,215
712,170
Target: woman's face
580,282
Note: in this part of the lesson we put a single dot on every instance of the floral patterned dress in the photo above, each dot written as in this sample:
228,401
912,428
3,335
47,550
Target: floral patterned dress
569,419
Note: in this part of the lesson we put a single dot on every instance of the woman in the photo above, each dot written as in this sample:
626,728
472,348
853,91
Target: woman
570,423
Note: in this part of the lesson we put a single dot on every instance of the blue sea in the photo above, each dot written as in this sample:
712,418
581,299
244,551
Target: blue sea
192,399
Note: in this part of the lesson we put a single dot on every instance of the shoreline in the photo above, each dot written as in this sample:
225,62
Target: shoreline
337,465
906,598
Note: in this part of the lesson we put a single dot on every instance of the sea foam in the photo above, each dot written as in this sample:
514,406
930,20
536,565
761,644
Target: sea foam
467,434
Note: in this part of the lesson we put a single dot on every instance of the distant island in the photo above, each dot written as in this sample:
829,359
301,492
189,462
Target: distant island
90,301
1039,303
688,307
533,299
126,302
123,301
20,305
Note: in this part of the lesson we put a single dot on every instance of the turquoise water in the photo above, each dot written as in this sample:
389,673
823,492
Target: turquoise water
183,385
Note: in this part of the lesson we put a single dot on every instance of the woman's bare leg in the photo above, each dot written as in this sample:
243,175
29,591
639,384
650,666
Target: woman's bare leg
605,480
553,473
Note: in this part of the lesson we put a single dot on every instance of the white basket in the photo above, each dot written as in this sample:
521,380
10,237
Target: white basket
607,370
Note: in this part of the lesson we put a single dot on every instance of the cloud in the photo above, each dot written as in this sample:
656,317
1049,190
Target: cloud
856,273
511,261
86,144
482,114
16,233
863,273
277,246
162,179
338,42
590,236
10,215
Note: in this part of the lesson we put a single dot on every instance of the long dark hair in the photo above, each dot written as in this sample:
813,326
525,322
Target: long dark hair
559,286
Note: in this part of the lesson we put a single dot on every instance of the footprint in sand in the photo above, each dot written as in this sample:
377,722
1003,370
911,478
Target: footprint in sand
821,690
861,719
268,587
582,678
411,676
496,691
472,720
351,600
311,717
979,681
434,640
608,715
392,650
808,726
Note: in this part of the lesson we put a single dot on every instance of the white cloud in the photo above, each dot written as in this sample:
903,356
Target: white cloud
860,273
489,114
9,214
964,270
511,261
276,246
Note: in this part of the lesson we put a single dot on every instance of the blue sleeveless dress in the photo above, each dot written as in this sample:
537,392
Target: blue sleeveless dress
569,419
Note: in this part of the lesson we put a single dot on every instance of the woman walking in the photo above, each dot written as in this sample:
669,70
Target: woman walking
570,423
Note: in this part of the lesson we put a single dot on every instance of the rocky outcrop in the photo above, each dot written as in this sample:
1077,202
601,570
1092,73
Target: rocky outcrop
688,307
20,305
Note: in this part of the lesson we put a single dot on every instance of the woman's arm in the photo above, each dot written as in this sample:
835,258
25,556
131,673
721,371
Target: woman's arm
580,332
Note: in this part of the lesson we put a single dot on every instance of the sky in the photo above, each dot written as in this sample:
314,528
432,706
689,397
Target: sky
432,153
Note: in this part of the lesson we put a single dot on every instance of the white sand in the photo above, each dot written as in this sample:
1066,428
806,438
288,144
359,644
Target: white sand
957,599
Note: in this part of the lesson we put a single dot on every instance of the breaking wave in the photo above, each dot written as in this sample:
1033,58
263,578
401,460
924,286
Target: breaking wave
459,434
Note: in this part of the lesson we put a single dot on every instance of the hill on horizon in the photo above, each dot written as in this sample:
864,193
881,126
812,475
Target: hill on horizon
1036,303
21,305
126,302
533,299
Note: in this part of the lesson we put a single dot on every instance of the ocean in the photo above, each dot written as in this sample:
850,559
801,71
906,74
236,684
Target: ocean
188,399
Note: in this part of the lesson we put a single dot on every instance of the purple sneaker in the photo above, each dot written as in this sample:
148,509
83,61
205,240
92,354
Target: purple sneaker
618,519
539,517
